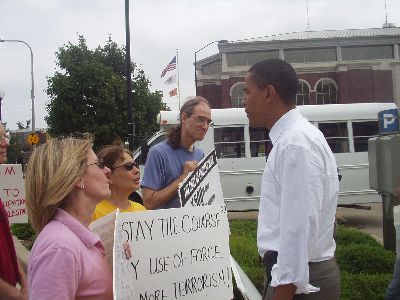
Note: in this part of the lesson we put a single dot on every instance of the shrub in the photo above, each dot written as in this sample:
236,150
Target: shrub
366,268
360,258
348,236
364,286
25,233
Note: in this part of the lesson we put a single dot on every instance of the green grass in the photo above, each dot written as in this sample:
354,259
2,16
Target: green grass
366,268
25,233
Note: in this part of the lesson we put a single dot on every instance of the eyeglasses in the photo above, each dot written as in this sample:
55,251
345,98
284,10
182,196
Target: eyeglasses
128,166
202,120
100,164
5,137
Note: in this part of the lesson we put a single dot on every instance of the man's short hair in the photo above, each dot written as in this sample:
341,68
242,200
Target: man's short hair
278,73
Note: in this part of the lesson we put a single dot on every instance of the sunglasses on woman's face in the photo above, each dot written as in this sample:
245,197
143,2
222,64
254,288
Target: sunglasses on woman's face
99,163
128,166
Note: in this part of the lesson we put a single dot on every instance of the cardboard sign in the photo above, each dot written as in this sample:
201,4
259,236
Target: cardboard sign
172,254
12,193
203,186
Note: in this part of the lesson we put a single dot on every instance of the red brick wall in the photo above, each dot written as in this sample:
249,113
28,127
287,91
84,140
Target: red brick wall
212,92
358,86
355,86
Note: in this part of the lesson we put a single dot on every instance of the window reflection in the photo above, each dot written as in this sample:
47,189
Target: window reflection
362,131
336,134
229,142
260,144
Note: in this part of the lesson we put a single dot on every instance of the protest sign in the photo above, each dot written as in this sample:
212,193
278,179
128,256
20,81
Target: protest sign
12,193
203,186
104,228
180,253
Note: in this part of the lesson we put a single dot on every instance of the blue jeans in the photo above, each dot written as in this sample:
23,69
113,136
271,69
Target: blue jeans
393,291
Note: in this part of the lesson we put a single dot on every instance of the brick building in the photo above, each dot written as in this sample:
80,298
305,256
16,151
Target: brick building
333,66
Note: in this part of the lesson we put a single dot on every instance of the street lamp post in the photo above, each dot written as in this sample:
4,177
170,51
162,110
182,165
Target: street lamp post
32,80
195,63
131,124
195,59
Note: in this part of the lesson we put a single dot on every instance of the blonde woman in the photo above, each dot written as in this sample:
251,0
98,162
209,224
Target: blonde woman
64,182
123,180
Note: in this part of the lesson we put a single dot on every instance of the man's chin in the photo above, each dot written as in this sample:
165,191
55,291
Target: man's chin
200,138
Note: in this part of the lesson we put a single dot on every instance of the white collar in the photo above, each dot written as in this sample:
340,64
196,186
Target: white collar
283,123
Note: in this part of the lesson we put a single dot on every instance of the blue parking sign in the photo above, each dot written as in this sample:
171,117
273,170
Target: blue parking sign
388,121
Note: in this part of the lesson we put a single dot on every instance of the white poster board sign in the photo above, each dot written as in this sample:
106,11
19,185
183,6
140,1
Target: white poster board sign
104,227
203,186
172,254
12,193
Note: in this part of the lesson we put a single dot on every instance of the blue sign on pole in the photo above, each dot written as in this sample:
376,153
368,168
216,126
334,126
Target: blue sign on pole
388,121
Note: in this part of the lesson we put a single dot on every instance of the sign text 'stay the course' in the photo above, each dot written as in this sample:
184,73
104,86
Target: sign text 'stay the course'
180,253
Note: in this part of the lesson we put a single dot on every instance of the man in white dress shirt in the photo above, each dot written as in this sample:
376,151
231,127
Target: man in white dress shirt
299,190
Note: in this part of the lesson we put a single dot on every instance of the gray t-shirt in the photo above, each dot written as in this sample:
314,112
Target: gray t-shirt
164,165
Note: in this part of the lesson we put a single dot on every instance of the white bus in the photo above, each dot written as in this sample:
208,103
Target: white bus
242,150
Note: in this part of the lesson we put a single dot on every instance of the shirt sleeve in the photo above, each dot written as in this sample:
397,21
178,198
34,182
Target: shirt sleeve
302,179
154,171
54,275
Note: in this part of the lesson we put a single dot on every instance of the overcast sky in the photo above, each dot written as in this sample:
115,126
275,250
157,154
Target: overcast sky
158,28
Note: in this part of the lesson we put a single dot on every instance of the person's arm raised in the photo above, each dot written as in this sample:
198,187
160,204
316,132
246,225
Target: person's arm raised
153,199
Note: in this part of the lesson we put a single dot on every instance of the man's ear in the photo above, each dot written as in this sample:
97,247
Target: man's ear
270,93
184,117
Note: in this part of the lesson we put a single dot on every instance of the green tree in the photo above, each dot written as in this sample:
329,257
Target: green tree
14,151
88,94
21,125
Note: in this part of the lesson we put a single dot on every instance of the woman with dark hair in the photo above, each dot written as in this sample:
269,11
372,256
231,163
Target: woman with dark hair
123,180
64,182
170,161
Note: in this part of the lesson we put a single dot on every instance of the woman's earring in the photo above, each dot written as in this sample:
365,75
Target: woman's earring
82,186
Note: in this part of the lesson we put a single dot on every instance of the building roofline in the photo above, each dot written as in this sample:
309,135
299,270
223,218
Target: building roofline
324,34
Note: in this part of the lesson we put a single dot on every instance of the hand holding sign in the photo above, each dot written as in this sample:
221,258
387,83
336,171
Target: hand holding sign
203,186
189,167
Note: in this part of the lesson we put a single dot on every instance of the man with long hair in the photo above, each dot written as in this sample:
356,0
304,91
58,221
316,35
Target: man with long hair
11,271
169,162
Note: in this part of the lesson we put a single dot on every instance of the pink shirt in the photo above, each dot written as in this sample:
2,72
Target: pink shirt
67,262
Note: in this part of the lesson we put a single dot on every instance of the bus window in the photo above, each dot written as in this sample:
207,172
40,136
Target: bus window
229,142
362,131
336,135
260,144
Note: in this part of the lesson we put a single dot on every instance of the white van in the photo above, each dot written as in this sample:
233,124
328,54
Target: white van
242,150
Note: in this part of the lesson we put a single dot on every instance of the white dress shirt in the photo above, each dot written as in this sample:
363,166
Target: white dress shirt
299,194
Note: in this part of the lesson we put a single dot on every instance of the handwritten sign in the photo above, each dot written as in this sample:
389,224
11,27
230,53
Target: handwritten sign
104,227
12,193
172,254
203,186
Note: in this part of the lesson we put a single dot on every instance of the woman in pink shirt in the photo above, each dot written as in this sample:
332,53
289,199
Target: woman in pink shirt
64,182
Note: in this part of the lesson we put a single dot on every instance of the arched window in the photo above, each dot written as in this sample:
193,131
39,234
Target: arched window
237,94
326,91
303,93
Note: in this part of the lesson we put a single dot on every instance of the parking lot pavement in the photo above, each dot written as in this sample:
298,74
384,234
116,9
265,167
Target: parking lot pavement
368,221
247,215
